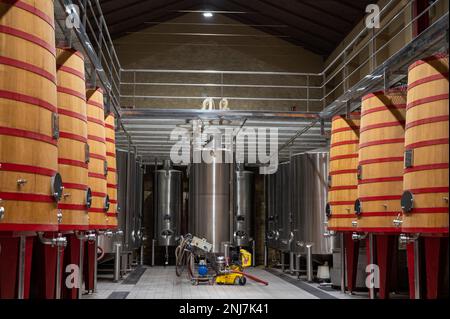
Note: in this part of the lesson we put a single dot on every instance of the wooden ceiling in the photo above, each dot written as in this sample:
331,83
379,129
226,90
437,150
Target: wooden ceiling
317,25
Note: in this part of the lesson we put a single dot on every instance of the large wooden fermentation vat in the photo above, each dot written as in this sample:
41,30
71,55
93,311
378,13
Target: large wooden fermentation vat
343,182
380,170
112,169
425,200
29,182
97,160
72,145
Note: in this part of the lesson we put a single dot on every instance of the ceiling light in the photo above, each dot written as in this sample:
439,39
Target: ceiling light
208,14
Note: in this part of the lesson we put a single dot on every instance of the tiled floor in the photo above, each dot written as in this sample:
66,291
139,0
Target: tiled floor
162,283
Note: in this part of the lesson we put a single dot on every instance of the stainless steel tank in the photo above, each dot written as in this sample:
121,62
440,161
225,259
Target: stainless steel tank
137,214
309,198
209,195
168,205
283,206
243,211
124,208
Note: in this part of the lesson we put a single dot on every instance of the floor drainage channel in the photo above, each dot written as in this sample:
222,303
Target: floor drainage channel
118,295
134,277
302,285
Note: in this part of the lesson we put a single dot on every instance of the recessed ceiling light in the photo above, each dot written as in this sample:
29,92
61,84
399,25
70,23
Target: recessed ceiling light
208,14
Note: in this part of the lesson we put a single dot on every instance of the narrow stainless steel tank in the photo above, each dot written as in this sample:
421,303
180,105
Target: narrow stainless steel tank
310,189
283,206
168,205
272,213
138,197
209,194
125,208
243,211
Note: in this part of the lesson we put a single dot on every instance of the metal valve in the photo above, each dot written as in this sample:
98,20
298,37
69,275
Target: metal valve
329,233
398,221
356,236
354,223
407,239
21,182
2,210
60,241
109,233
91,236
59,216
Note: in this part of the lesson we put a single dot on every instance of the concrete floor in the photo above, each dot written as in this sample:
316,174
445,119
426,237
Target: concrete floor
162,283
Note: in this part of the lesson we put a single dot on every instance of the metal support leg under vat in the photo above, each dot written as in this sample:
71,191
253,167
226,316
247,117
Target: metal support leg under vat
166,256
282,261
141,255
266,256
95,263
21,274
80,272
298,259
309,264
291,263
371,261
343,268
117,251
153,252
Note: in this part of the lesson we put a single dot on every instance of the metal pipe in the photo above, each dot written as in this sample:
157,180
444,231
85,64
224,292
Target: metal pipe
153,252
118,246
166,262
141,253
371,261
309,264
95,264
80,269
342,244
58,273
417,293
282,261
21,279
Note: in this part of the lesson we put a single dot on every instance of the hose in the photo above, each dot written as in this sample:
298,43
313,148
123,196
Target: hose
184,257
250,277
102,253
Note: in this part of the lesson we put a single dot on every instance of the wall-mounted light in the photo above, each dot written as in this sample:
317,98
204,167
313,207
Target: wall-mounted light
208,14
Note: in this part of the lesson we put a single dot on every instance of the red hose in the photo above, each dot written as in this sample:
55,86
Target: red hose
251,277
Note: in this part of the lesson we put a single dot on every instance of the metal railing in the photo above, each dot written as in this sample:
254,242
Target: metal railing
82,25
313,91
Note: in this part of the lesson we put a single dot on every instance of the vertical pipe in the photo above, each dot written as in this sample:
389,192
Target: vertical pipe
417,294
153,252
166,257
297,263
58,273
141,259
282,261
291,262
80,270
371,261
117,262
95,264
342,239
309,264
21,279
